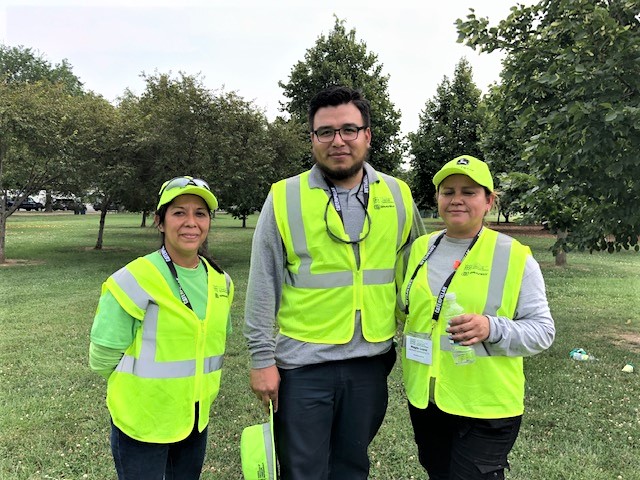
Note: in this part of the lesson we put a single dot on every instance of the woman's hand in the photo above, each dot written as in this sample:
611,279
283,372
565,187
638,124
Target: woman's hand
469,328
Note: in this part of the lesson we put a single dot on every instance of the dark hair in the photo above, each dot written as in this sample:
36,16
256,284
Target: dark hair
339,95
161,213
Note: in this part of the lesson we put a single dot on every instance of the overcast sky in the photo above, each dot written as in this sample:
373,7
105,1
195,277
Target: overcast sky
247,46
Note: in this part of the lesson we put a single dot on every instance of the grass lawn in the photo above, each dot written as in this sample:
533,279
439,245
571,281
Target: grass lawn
582,419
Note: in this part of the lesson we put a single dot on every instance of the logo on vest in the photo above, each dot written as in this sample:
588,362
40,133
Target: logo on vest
220,292
383,202
475,269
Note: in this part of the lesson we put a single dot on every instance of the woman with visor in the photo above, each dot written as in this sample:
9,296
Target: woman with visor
159,336
466,417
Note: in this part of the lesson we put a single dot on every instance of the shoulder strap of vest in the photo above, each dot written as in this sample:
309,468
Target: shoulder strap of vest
125,286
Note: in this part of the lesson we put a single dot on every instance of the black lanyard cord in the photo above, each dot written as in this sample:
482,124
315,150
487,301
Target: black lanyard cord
447,282
333,191
174,272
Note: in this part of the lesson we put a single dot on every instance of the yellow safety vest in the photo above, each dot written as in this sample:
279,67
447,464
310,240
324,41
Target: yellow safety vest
175,359
487,282
323,285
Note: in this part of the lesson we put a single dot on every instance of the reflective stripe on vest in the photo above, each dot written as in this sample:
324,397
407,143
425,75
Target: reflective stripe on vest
269,447
145,366
304,278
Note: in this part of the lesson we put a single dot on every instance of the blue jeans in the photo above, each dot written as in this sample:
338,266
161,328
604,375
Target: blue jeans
328,415
136,460
451,447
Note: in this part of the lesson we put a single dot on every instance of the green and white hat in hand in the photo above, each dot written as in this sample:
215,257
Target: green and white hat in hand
258,452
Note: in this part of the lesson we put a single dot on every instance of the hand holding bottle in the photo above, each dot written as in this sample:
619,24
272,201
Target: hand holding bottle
467,328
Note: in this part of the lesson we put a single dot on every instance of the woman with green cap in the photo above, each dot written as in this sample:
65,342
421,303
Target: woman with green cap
159,336
475,305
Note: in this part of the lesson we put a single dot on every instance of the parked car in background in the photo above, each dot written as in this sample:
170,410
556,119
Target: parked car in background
65,204
30,204
113,206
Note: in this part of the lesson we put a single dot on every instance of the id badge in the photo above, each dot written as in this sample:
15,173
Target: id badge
419,347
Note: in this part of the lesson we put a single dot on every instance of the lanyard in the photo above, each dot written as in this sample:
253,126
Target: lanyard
364,186
447,282
174,272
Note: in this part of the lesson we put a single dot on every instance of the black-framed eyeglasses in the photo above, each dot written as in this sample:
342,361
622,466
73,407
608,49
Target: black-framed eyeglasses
181,182
338,237
347,133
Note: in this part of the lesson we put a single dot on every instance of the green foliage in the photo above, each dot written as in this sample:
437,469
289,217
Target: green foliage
20,65
173,130
513,189
448,128
572,80
178,127
339,59
291,147
245,156
46,127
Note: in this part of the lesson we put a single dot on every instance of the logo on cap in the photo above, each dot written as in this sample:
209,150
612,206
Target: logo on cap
463,161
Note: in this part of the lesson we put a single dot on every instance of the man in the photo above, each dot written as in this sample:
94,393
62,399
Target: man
323,265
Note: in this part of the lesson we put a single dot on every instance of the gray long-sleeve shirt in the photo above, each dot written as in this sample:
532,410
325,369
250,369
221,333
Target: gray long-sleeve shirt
532,329
266,276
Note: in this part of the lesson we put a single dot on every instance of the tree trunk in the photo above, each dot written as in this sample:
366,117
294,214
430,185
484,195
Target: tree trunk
3,230
3,206
103,215
244,221
561,255
48,202
143,223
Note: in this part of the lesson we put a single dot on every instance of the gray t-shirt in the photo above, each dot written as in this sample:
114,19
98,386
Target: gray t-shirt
266,276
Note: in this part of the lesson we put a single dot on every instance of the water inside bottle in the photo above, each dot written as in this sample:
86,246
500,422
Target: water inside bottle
463,355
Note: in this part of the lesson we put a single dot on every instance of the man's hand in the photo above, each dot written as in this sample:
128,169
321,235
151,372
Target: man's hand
265,383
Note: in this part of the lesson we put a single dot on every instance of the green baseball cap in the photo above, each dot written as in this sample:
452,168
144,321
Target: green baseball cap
186,185
467,165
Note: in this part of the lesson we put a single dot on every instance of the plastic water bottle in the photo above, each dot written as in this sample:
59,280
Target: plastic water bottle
462,354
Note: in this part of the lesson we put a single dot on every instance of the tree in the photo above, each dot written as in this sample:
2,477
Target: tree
339,59
448,128
513,188
165,132
42,137
291,148
572,76
245,155
20,65
501,142
113,163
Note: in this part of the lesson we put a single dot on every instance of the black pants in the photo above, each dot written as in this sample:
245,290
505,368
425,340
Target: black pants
462,448
328,415
136,460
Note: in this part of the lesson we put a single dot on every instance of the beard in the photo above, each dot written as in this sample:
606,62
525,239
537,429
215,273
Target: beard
343,174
